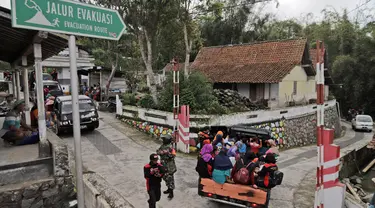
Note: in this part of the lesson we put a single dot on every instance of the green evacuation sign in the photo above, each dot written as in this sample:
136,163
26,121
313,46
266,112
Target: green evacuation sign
69,17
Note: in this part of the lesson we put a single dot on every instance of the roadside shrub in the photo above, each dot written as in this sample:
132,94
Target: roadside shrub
195,91
129,99
147,102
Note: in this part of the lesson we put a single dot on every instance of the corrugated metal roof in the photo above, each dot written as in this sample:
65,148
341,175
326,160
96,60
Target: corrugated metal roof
14,41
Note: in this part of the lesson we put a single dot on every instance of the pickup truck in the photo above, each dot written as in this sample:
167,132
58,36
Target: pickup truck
236,194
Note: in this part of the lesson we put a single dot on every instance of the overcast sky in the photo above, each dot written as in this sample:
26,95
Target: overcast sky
294,8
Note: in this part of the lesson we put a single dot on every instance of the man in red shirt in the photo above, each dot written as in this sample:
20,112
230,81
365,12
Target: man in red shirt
153,173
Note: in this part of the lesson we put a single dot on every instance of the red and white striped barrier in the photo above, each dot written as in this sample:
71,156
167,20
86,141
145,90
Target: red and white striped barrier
183,138
330,193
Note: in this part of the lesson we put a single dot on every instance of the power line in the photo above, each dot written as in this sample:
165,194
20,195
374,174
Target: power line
359,6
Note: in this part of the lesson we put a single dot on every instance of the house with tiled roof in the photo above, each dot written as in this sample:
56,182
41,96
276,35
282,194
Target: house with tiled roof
278,71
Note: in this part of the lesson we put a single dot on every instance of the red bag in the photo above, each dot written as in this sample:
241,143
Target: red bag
242,176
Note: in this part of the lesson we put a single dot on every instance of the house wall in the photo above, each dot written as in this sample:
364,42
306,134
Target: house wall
267,91
264,91
63,77
305,86
244,89
326,92
274,91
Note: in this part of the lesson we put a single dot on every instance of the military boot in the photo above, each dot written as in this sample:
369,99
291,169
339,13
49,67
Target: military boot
170,196
167,191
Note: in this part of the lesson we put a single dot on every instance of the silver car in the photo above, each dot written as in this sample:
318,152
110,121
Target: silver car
362,122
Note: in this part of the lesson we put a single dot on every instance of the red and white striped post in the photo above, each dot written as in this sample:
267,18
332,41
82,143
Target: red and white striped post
329,192
319,197
176,98
183,143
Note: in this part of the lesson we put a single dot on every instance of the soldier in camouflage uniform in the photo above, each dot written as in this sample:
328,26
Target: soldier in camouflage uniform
167,154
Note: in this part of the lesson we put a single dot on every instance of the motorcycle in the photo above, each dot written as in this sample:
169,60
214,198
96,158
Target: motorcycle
111,105
3,111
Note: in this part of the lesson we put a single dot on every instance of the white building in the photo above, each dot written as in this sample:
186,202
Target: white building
62,64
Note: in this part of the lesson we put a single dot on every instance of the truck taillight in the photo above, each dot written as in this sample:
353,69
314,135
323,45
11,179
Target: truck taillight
209,195
254,205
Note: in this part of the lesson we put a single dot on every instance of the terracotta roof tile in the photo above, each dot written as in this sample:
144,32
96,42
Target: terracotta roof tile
264,62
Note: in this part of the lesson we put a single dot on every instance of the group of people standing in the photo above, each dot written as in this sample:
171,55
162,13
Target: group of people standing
94,92
352,113
238,161
161,166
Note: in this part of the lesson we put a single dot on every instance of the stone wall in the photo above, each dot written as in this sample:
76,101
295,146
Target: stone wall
277,128
52,190
301,130
293,131
51,193
147,127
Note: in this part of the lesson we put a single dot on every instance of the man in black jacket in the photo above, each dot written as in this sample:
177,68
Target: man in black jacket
153,173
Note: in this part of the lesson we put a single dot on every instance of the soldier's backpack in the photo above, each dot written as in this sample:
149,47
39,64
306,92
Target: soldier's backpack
242,176
277,179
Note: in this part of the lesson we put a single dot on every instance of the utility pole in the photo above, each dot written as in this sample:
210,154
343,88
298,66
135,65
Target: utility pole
319,122
329,191
176,97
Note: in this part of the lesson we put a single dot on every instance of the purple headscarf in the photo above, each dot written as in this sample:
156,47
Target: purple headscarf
206,152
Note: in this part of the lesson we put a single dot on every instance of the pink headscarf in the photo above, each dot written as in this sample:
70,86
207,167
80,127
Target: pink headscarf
206,152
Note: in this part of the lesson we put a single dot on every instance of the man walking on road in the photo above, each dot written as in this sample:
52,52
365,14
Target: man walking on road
167,154
153,173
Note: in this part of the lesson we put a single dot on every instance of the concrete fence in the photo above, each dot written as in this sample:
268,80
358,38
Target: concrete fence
197,121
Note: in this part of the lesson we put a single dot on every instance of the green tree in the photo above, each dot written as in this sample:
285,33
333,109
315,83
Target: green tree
111,54
195,91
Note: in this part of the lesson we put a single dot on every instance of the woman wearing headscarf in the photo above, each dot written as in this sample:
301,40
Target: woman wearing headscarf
205,162
273,148
222,167
218,138
249,160
255,145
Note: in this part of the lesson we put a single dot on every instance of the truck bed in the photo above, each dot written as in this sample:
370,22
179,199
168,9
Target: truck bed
235,194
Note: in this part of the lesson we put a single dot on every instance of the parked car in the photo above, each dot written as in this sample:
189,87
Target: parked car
53,86
64,114
362,122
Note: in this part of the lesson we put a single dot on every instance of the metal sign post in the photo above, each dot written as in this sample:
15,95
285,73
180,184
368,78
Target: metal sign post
68,17
74,18
76,120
